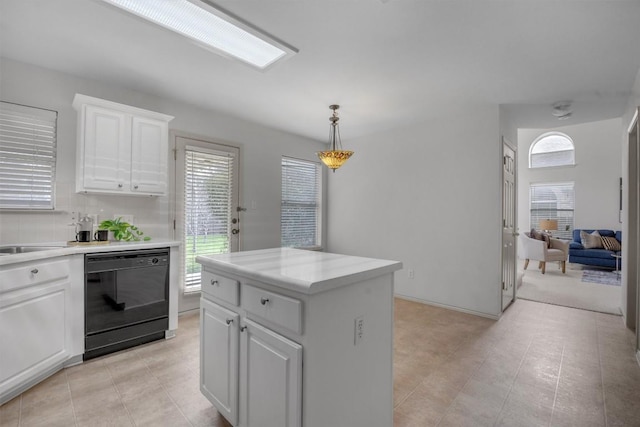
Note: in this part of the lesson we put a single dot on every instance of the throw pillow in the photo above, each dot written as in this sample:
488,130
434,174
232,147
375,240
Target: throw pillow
547,239
611,243
591,241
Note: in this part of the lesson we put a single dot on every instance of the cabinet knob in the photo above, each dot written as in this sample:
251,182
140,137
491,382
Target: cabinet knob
229,321
264,301
119,185
34,271
214,282
135,187
242,328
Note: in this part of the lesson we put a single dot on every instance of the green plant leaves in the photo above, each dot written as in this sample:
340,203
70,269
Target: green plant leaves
123,230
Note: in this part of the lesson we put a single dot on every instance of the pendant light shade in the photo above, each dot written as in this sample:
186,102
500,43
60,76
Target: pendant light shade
335,157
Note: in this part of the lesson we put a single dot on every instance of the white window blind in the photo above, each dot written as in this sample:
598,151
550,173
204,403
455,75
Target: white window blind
552,149
553,201
27,157
300,217
207,208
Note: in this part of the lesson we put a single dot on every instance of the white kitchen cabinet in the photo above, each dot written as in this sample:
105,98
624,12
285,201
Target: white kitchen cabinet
257,384
315,333
121,149
219,369
38,310
270,378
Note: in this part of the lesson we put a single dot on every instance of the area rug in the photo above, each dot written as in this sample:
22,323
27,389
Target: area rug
610,278
568,289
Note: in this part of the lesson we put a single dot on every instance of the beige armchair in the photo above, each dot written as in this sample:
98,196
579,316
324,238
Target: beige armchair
534,249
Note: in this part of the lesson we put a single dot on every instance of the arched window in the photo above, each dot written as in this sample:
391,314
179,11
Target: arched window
552,149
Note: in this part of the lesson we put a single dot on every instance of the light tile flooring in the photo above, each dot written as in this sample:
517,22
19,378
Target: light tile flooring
540,365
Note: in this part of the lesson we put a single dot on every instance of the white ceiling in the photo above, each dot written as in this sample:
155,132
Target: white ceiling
388,63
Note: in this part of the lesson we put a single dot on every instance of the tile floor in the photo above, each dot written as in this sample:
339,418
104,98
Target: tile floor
540,365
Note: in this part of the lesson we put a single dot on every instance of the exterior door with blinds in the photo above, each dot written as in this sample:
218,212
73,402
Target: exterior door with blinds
206,207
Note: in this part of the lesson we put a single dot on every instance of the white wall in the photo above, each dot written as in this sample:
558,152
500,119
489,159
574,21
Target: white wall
596,174
428,195
261,151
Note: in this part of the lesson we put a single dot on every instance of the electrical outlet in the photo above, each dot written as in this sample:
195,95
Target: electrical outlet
358,330
410,273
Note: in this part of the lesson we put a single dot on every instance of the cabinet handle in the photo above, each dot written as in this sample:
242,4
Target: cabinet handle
264,301
214,282
242,328
34,271
119,185
229,321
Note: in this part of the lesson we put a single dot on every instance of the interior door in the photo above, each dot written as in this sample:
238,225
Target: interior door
206,208
509,232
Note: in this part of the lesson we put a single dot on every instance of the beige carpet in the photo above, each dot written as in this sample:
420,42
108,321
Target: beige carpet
567,290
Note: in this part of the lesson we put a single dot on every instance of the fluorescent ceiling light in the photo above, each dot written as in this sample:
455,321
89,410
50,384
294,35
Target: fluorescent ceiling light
210,26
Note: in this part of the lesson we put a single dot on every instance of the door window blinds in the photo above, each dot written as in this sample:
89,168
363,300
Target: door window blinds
300,216
553,201
27,157
207,208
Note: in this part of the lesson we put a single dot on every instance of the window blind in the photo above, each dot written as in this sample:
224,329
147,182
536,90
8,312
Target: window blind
27,157
207,208
553,201
300,216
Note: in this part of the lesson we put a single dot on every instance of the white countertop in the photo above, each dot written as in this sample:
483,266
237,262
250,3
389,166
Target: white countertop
308,272
83,249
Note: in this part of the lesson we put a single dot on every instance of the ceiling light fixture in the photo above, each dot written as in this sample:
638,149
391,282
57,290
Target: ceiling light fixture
562,110
212,28
334,158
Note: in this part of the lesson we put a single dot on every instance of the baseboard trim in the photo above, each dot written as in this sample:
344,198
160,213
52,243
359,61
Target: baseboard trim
448,307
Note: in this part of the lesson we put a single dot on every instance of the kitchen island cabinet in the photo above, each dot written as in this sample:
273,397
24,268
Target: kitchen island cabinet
297,338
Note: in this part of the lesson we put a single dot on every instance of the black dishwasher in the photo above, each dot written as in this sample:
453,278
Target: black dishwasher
126,299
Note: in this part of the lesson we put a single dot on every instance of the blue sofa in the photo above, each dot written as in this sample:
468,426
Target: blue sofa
597,257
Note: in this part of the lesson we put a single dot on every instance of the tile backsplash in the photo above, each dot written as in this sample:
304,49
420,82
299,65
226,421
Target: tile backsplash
150,214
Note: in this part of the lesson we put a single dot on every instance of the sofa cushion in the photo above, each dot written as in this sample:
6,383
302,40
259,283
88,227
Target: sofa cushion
619,236
576,245
610,243
603,232
595,253
591,240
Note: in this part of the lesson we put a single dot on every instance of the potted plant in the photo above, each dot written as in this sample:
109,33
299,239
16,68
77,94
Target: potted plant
123,230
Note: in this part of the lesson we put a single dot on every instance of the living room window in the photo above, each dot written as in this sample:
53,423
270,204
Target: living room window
552,149
300,216
27,157
553,201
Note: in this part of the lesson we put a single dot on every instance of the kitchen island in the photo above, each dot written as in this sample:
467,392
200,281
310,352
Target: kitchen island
297,338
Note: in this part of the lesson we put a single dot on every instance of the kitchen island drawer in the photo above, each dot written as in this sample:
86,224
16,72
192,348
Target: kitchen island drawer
275,308
220,287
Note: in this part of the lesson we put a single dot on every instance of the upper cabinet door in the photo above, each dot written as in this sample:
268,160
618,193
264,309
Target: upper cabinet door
107,147
149,150
121,149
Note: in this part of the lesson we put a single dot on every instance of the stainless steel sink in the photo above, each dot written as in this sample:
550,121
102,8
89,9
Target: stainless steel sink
9,250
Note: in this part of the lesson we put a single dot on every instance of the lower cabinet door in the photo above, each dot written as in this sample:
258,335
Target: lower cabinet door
270,378
219,358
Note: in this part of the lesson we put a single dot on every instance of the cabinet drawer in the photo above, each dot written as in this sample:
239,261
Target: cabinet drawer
33,273
277,309
221,287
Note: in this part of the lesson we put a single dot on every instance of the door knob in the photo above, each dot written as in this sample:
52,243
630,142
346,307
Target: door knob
264,301
235,231
234,221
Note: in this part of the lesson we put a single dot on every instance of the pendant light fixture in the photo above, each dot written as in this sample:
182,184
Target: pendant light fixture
335,157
